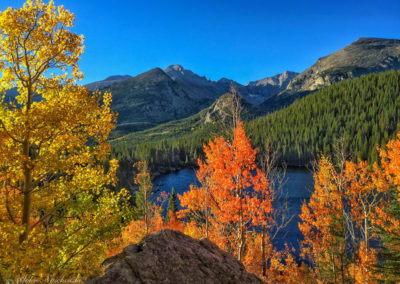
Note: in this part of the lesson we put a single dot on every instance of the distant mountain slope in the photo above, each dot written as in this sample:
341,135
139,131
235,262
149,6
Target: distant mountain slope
363,111
152,97
364,56
107,82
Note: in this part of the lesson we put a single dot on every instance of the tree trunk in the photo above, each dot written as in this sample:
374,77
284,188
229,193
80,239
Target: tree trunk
264,268
241,241
2,280
241,233
206,212
146,212
366,233
27,189
27,206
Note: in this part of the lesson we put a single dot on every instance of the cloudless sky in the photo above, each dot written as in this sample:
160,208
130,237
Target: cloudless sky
241,40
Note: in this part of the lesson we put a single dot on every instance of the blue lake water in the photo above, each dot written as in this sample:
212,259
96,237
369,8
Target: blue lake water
298,188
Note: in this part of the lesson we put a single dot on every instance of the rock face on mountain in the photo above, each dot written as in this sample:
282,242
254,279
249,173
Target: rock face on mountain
197,87
107,82
224,107
270,86
172,257
365,55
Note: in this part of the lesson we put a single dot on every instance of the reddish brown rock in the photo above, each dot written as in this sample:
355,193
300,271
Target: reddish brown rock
172,257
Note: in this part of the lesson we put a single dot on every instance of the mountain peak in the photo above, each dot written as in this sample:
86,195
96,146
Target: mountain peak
175,67
270,86
177,71
152,74
224,80
281,80
368,40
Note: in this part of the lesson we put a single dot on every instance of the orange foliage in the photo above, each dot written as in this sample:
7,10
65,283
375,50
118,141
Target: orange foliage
322,219
338,217
225,201
135,231
174,223
281,266
361,268
390,160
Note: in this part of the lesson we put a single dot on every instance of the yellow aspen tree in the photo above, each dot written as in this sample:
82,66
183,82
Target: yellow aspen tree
56,211
323,226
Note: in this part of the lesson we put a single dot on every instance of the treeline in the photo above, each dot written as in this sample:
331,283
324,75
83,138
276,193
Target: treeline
164,155
364,112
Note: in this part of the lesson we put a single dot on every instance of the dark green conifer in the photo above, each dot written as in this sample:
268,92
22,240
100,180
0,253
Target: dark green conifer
172,204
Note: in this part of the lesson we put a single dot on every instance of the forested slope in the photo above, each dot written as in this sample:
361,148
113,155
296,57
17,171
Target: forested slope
363,111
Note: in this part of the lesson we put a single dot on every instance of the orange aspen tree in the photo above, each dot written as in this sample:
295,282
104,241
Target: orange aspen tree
281,268
197,201
363,199
237,190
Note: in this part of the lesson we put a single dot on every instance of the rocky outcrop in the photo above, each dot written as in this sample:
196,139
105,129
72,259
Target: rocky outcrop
172,257
364,56
270,86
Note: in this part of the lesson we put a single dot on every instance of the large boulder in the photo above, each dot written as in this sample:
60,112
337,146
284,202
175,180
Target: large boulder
173,257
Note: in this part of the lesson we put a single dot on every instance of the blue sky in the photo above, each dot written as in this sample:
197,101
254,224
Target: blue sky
240,40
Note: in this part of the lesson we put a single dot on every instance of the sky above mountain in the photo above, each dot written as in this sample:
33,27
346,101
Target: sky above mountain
243,40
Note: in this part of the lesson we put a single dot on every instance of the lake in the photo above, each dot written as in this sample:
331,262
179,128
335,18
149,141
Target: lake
298,188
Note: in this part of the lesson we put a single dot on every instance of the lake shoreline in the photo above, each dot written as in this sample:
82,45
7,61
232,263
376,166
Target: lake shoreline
165,171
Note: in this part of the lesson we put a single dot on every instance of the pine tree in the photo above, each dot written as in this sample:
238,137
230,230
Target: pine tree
172,204
389,252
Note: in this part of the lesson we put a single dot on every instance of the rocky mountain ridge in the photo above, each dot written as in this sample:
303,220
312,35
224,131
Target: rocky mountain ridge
364,56
270,86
